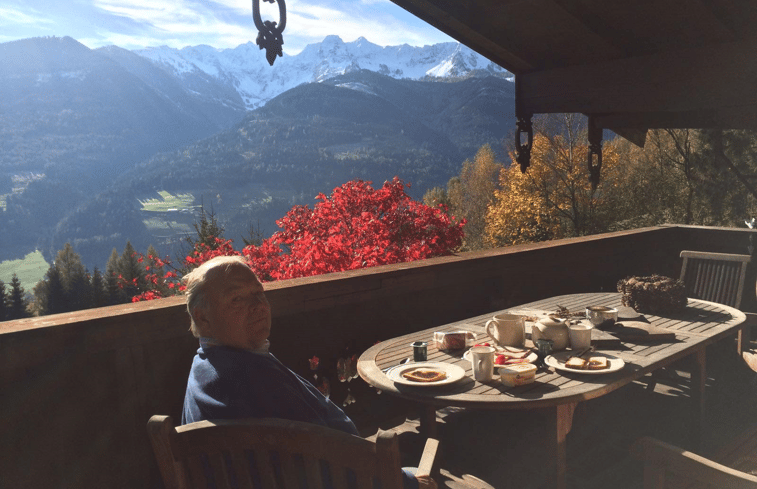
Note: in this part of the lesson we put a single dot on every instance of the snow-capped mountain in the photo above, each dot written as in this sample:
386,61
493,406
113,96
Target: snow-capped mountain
245,69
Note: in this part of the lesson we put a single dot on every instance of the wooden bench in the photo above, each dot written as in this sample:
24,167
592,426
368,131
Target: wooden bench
669,467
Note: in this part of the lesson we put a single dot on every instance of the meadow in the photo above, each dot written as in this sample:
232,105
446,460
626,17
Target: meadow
168,202
30,270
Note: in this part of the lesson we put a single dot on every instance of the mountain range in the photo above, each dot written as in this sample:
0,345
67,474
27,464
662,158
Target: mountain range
88,136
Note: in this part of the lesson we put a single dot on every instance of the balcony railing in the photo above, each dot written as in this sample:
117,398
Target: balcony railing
78,388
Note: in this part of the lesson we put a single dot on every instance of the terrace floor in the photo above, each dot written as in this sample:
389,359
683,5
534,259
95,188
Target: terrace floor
483,449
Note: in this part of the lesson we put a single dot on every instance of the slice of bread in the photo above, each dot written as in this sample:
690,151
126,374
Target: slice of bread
424,375
576,363
597,363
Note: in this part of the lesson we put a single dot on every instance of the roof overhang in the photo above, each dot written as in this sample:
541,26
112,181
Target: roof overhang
632,65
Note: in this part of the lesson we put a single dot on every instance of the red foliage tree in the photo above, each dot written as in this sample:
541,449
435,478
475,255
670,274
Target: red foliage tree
357,226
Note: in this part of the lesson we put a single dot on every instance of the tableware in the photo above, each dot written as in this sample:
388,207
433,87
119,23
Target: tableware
507,329
455,340
482,361
551,328
580,335
454,373
557,361
530,357
420,351
544,349
521,374
602,316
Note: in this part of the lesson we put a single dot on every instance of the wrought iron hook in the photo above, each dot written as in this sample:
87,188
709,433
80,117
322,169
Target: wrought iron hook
269,33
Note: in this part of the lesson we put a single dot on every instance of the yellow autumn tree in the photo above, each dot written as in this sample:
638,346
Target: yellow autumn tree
554,198
469,194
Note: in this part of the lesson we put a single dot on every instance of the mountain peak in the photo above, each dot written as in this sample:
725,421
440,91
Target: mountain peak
243,69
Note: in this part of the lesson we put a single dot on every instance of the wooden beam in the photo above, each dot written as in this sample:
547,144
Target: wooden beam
459,20
711,78
744,117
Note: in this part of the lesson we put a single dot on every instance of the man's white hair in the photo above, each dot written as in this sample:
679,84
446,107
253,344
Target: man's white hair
196,280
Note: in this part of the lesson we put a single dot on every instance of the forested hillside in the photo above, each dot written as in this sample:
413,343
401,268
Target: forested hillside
306,141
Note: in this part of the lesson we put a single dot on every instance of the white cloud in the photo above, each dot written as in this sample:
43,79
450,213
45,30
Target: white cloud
9,16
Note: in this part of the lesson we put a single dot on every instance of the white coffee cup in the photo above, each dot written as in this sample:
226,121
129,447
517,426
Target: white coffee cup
580,336
482,361
507,329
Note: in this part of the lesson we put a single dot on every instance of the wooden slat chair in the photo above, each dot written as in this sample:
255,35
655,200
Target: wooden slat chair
718,277
275,453
669,467
715,277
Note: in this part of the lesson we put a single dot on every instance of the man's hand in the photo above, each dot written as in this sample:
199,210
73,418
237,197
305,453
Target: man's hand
426,482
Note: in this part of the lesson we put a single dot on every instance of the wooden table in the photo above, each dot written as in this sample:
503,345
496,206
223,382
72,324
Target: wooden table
700,324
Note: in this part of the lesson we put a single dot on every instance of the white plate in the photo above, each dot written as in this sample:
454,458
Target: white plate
454,373
558,362
531,357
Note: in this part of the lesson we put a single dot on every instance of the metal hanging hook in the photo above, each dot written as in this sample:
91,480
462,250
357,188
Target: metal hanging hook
270,33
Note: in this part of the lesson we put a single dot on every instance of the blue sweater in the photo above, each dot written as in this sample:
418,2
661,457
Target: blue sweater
227,383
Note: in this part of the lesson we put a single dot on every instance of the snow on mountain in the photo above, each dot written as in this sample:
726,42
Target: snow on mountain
245,69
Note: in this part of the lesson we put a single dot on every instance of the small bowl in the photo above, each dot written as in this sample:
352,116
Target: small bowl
602,316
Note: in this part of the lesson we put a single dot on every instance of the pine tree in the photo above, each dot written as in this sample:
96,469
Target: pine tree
74,278
49,294
207,229
17,300
99,296
115,294
3,302
130,270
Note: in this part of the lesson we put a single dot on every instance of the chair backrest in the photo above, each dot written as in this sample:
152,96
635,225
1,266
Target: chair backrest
274,453
716,277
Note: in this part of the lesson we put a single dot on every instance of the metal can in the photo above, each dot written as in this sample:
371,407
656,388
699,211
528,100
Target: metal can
420,351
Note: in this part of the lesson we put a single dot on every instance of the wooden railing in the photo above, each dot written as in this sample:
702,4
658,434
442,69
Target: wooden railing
78,388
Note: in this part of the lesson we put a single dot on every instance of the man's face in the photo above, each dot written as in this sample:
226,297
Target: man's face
238,314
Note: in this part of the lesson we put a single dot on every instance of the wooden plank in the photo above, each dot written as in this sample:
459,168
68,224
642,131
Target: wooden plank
691,79
639,332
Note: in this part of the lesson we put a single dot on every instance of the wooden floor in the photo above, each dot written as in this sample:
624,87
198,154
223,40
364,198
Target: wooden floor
483,449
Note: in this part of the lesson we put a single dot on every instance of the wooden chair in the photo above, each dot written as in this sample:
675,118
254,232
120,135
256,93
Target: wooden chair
275,453
667,466
716,277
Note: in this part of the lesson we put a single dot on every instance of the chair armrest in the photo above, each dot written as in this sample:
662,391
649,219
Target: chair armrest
428,458
662,460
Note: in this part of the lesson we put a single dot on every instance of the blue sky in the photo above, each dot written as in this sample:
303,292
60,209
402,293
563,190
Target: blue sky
135,24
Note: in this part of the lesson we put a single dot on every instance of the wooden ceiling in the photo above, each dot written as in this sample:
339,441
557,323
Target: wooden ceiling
632,64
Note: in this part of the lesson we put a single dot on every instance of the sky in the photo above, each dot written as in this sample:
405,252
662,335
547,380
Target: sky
136,24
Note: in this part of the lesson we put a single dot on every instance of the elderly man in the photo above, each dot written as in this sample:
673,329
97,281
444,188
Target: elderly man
233,374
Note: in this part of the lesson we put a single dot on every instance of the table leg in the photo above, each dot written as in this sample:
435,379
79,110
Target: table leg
698,382
563,423
428,421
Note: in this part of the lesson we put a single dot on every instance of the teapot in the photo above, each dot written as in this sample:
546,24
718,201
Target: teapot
551,328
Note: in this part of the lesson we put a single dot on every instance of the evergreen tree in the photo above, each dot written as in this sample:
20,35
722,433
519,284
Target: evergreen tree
99,296
3,302
17,300
130,271
114,294
49,294
75,279
207,229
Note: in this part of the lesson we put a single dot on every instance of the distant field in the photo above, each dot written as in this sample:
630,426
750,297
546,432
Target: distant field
168,202
30,270
158,225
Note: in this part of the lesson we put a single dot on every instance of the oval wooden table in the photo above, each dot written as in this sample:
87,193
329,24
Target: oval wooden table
701,323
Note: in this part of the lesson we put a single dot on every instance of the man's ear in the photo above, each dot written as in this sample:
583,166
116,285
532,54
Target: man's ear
202,320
